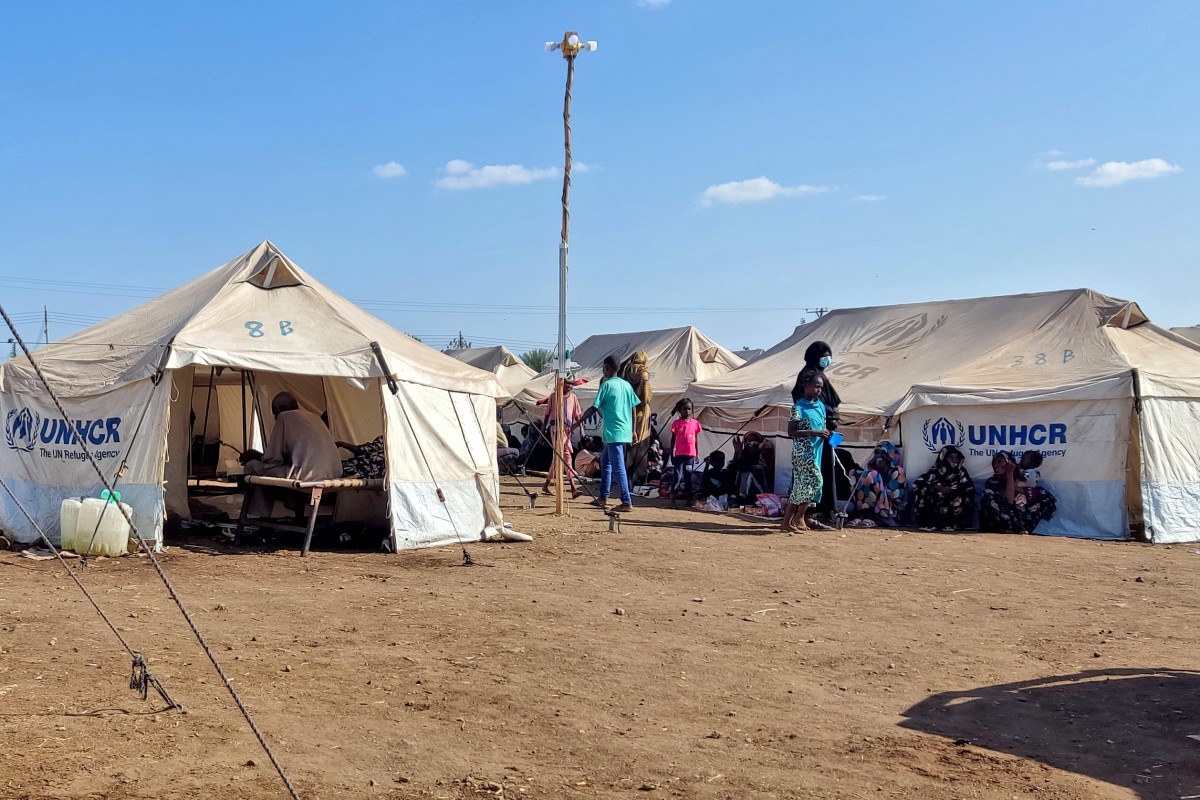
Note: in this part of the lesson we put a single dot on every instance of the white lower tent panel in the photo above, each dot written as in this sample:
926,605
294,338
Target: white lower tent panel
44,502
1170,470
420,519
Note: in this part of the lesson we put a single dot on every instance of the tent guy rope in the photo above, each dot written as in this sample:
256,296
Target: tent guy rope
149,551
141,679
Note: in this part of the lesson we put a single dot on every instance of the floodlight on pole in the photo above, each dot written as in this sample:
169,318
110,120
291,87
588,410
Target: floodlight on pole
570,47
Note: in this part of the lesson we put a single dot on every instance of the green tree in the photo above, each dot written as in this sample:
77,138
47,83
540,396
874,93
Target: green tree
537,360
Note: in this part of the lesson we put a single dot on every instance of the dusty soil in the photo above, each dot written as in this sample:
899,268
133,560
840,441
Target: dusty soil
687,655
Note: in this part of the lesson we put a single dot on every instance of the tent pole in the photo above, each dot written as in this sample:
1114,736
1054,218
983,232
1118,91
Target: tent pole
245,428
204,428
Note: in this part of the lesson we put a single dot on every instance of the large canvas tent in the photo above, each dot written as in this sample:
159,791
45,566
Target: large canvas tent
259,322
1110,400
676,357
509,369
1191,333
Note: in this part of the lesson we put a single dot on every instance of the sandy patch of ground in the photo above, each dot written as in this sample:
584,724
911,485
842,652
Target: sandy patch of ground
687,655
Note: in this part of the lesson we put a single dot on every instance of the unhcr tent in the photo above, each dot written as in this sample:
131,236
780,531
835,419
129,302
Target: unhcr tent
509,369
1110,400
677,358
248,329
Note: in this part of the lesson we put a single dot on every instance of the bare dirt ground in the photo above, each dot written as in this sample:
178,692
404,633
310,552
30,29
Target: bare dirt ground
687,655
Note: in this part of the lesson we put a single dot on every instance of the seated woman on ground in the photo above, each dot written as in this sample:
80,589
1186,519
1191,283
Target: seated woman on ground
587,460
944,497
880,494
749,465
1008,507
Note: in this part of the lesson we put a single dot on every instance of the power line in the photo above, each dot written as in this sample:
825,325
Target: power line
417,306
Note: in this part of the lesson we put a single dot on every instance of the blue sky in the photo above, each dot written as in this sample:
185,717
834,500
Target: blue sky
744,161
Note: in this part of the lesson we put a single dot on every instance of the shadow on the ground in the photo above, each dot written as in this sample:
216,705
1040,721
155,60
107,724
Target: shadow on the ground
1128,727
743,528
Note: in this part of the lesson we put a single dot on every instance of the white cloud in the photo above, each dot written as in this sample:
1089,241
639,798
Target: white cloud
1056,166
389,170
652,3
465,175
1053,153
754,190
1114,173
870,198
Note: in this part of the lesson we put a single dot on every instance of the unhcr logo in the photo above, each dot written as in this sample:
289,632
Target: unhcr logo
942,432
25,429
20,429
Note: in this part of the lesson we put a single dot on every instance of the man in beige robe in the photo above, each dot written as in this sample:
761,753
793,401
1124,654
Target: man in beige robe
301,448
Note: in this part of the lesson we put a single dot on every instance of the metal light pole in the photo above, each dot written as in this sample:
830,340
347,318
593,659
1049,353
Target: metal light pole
570,47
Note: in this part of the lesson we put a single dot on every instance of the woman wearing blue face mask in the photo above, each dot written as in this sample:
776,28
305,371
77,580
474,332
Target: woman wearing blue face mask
819,356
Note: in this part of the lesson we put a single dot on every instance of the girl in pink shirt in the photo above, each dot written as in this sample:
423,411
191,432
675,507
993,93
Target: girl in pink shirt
683,448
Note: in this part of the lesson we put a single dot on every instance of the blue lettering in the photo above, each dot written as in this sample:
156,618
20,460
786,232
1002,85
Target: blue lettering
1068,355
89,431
1058,433
64,435
1037,435
996,435
1018,435
285,327
977,434
96,434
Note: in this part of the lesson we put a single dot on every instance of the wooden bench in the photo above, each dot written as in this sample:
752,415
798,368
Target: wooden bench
315,491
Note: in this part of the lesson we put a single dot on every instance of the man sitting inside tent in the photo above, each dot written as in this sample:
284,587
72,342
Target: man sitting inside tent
301,447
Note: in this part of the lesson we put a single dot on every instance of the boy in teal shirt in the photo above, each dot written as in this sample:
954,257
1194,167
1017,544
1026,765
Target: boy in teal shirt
615,402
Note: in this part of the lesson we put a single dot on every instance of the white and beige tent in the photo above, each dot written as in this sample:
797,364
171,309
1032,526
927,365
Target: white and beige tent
509,369
259,322
676,357
1191,334
1111,400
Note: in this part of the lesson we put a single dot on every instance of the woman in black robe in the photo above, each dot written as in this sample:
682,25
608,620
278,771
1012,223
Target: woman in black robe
818,356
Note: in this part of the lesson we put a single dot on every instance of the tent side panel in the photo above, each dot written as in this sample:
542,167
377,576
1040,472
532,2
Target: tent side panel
179,440
1084,445
1171,472
42,465
438,444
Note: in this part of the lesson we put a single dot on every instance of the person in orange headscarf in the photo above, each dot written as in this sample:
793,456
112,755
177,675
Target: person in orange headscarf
571,413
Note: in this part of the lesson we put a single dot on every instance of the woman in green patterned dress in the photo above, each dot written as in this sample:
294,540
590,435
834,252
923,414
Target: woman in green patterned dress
806,427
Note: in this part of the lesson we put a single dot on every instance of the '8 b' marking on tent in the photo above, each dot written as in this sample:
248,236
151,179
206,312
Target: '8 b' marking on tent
1041,358
256,328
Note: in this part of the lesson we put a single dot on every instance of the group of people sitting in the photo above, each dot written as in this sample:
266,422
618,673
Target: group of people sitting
945,498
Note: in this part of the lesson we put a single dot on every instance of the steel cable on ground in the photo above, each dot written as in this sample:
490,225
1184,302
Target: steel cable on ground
149,551
141,681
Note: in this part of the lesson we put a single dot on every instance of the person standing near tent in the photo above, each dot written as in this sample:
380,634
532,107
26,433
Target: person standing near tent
819,356
683,449
615,402
301,448
570,406
806,427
